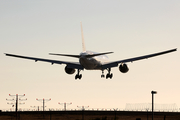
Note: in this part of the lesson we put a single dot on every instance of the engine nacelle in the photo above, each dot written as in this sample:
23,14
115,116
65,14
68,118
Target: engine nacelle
69,70
123,68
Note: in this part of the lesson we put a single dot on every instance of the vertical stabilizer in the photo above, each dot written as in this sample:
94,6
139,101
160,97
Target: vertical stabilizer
83,44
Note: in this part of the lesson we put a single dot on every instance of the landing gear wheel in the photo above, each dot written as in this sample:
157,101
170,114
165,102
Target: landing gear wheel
109,75
78,76
102,76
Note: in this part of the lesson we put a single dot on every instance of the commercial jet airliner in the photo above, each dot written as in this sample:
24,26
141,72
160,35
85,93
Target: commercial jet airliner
92,61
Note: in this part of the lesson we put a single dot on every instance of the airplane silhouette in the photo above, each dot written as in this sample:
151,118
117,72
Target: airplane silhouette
90,60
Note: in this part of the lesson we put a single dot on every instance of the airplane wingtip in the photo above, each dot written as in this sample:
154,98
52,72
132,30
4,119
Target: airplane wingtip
175,49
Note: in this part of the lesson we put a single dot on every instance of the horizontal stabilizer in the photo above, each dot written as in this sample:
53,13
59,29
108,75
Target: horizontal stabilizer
98,54
76,56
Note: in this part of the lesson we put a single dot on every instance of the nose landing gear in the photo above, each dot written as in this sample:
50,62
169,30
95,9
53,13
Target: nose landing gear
102,76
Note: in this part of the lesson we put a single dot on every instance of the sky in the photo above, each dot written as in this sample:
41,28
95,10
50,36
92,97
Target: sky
127,28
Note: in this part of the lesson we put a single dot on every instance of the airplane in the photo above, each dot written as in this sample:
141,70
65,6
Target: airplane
92,61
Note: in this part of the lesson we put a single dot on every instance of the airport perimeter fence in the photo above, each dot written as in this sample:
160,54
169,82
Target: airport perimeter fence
148,107
95,109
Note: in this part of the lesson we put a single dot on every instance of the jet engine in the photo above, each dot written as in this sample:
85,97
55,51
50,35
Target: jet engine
69,70
123,68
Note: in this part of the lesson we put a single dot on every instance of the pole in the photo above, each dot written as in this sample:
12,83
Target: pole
43,104
16,105
153,92
83,112
83,109
43,100
64,106
147,114
152,106
17,99
115,113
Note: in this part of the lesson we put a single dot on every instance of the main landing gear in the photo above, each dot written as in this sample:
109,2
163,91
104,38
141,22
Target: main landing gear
108,75
78,76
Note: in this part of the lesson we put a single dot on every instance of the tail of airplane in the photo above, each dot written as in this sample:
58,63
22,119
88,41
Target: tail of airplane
83,44
84,49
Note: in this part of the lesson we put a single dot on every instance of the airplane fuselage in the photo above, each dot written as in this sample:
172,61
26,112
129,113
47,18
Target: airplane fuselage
92,63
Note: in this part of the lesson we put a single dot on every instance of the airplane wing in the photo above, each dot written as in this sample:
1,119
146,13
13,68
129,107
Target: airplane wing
115,63
69,64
